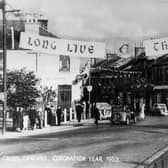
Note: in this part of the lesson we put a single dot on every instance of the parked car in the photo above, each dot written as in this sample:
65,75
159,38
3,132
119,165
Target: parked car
160,109
122,115
104,110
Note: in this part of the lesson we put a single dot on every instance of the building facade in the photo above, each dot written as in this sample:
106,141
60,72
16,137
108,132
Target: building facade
55,71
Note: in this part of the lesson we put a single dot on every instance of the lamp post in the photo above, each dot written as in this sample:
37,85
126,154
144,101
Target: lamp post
89,88
4,27
2,5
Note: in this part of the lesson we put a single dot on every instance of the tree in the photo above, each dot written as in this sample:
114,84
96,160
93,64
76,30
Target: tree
48,95
25,92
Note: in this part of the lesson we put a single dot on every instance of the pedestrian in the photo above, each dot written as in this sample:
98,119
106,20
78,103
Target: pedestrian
142,112
79,110
32,116
19,119
15,117
25,121
53,119
39,116
58,113
49,116
96,114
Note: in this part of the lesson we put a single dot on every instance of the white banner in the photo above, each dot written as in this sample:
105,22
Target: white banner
62,47
156,47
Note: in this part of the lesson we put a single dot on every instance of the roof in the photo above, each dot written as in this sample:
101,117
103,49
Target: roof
163,60
107,62
121,63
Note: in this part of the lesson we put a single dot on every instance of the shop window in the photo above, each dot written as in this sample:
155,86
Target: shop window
64,63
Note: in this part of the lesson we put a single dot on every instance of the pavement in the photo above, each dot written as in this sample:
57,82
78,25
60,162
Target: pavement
69,125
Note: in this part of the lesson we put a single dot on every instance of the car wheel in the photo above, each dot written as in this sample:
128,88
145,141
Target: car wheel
127,121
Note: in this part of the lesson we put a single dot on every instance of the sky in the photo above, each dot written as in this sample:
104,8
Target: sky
111,21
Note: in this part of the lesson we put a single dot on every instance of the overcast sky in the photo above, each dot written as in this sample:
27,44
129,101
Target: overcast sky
102,20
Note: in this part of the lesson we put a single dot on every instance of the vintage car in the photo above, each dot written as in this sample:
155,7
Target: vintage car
122,115
160,109
104,110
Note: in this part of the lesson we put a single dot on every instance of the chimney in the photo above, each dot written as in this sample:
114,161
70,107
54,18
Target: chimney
139,51
31,24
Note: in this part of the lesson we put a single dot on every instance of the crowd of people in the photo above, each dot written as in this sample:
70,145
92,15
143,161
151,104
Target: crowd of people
24,120
35,118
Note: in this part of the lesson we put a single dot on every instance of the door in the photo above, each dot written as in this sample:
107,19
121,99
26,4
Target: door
64,96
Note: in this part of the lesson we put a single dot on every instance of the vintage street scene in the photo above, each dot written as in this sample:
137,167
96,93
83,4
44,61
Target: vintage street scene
84,84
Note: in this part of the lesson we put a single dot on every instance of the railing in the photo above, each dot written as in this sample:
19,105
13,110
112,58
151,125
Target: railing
157,160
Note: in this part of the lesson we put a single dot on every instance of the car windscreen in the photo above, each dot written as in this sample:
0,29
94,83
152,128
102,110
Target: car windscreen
118,109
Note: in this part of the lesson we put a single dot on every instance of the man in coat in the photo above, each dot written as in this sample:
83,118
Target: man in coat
19,119
59,112
79,110
32,116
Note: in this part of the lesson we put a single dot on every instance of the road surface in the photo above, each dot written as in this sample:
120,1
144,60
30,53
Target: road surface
102,146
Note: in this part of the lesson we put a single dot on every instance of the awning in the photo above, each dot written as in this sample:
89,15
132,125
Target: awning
161,87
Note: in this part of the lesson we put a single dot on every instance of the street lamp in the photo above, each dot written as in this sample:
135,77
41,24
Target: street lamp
89,88
3,7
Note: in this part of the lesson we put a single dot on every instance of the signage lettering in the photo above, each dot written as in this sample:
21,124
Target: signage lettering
62,47
37,42
91,49
44,43
80,48
156,47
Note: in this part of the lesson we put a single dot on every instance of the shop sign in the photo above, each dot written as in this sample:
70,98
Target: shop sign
57,46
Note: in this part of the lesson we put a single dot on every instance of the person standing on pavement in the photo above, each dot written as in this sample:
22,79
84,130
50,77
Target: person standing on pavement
40,118
96,114
32,116
25,121
20,119
79,110
53,119
15,119
49,116
58,113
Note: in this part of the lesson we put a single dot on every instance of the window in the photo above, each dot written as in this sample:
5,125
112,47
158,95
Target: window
64,63
166,74
159,75
64,95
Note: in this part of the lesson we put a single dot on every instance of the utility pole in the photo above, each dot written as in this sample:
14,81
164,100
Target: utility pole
4,66
89,88
4,27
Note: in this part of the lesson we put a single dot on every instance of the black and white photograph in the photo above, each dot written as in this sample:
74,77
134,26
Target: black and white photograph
83,83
